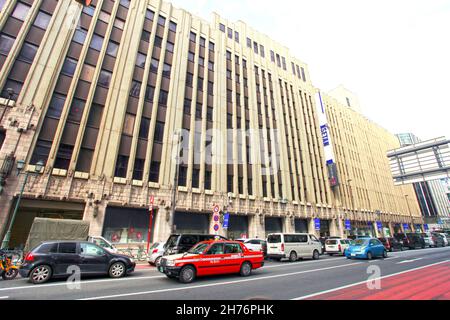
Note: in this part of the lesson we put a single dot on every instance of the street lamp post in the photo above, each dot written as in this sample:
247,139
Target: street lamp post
10,96
20,166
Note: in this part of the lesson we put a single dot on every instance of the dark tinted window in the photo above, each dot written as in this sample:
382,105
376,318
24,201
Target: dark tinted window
188,240
48,248
274,238
216,248
232,248
67,247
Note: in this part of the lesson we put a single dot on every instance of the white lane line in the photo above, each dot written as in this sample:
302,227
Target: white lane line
4,298
409,261
362,282
64,283
218,283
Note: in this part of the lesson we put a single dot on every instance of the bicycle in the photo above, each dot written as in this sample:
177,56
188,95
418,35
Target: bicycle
142,254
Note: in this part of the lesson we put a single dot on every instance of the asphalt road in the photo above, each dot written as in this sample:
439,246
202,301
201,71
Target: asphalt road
276,280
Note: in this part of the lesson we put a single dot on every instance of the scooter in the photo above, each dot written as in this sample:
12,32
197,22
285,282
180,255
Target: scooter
8,269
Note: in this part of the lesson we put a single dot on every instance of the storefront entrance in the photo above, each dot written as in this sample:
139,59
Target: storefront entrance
128,225
30,209
187,222
301,225
273,225
237,227
324,228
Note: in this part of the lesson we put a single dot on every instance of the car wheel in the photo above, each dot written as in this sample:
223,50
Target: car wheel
158,261
187,274
369,255
41,274
316,255
11,274
330,254
293,256
246,269
117,270
385,254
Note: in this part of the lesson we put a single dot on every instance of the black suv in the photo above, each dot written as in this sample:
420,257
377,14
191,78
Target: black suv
181,243
411,240
59,259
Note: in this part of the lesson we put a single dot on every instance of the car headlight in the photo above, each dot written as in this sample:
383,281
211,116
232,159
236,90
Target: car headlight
170,263
131,260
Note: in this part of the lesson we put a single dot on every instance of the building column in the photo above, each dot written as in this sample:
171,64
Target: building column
375,227
289,224
312,229
391,228
255,227
161,231
340,228
95,214
334,230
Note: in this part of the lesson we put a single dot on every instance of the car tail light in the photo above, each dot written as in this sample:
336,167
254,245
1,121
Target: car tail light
155,251
282,247
29,257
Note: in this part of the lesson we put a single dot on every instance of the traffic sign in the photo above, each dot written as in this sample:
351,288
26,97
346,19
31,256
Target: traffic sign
348,225
216,209
152,200
317,224
226,221
216,227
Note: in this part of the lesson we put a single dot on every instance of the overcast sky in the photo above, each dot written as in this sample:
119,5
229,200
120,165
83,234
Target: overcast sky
394,54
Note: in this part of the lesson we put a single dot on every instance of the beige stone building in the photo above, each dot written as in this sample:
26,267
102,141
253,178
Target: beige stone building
102,95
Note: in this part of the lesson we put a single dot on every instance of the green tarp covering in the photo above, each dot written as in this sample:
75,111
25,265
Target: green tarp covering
44,229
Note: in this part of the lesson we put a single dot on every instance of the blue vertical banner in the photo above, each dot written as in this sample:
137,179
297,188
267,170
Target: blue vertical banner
379,225
317,224
425,226
226,220
406,226
348,225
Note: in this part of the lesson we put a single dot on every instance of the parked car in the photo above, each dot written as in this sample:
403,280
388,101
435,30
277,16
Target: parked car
323,240
336,246
391,244
411,240
54,259
444,237
293,246
366,248
155,253
181,243
438,240
212,258
255,245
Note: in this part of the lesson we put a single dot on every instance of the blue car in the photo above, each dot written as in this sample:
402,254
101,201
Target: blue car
366,248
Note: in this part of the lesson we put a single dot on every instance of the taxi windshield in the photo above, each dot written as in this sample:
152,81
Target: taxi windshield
199,248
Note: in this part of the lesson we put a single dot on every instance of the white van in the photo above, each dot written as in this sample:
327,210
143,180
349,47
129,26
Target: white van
293,246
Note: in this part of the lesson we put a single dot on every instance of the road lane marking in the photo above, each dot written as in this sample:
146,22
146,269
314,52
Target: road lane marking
409,261
218,283
4,298
362,282
64,283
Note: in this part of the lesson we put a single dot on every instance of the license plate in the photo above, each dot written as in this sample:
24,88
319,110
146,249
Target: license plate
353,254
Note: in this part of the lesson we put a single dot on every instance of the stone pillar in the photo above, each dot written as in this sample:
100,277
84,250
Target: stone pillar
95,214
375,228
391,228
340,226
255,227
161,232
289,224
312,229
334,231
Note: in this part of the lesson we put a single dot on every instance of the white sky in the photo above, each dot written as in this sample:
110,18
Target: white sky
394,54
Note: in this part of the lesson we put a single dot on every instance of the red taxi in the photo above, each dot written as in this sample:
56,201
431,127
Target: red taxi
211,258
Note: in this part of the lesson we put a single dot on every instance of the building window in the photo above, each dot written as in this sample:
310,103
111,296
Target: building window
192,37
145,128
167,68
211,46
150,15
255,47
249,42
6,44
140,60
189,79
21,11
121,166
182,176
187,106
135,89
230,33
172,26
105,78
112,49
159,131
154,171
42,20
208,180
96,42
163,98
56,106
150,93
236,36
222,27
191,56
158,42
154,65
79,36
170,47
69,67
161,21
